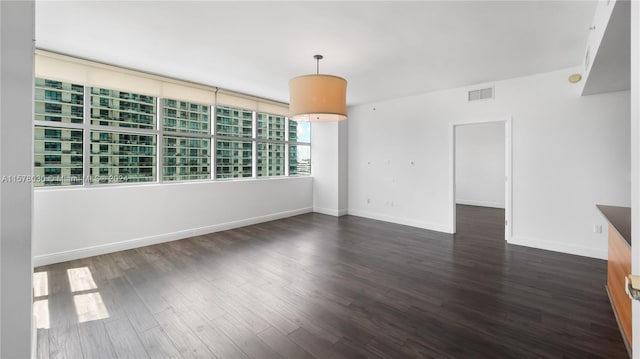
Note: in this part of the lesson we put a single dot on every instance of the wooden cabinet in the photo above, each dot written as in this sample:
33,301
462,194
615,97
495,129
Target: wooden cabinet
619,266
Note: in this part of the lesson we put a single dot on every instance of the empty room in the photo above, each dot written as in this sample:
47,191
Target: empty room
319,179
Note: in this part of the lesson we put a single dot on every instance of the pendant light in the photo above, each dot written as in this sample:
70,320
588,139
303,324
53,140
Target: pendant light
318,97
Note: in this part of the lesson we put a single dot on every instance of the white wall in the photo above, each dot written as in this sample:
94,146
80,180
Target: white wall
569,153
329,167
73,223
480,166
16,159
635,163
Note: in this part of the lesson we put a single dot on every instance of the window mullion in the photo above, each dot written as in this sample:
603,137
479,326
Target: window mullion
160,140
212,144
86,136
254,145
286,146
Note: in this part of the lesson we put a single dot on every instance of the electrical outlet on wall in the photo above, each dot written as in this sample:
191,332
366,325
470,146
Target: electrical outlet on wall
597,228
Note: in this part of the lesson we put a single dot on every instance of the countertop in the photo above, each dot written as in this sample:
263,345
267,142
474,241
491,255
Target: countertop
620,219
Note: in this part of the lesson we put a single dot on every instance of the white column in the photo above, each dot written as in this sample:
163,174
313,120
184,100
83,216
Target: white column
343,169
17,31
329,167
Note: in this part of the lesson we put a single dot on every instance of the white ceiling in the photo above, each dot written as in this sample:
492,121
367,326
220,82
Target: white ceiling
384,49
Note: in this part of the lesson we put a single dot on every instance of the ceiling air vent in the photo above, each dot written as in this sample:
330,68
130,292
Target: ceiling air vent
481,94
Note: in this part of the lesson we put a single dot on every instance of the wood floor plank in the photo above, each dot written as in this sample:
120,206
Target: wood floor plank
201,301
137,312
62,311
42,348
125,340
183,338
316,286
283,345
250,299
353,350
294,312
149,291
95,341
219,344
244,338
238,311
64,341
317,346
157,344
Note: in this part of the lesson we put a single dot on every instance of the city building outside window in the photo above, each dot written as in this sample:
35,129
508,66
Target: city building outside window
234,142
299,148
271,136
131,155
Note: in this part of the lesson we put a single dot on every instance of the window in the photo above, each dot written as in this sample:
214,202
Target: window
53,176
53,95
52,146
234,145
234,122
299,148
233,158
271,159
194,120
57,150
271,155
57,101
53,160
271,127
122,109
114,136
186,156
118,156
52,133
129,157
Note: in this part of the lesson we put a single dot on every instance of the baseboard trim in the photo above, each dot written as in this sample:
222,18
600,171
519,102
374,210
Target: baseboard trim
559,247
330,212
403,221
45,259
526,242
480,203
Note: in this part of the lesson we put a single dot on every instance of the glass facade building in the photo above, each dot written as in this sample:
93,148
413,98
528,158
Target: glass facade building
185,157
234,144
271,137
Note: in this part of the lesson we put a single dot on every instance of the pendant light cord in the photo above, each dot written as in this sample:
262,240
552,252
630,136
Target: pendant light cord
318,58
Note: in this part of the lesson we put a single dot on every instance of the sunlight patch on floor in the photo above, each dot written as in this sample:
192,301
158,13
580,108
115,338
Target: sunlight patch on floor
41,312
80,279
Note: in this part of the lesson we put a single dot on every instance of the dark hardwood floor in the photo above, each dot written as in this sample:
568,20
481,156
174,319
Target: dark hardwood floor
315,286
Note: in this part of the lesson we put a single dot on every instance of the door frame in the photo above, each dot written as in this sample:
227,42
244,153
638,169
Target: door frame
508,188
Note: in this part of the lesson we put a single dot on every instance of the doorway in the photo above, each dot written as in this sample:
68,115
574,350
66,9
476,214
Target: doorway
480,178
